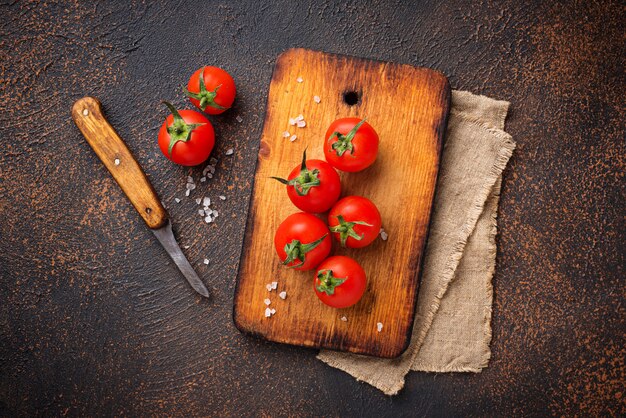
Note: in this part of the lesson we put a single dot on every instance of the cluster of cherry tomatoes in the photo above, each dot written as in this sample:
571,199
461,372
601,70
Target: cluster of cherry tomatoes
303,241
187,137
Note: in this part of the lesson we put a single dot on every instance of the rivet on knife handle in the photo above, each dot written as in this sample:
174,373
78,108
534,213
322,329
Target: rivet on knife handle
111,149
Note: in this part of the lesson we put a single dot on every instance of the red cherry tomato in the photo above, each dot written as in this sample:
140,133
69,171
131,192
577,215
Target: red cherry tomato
354,221
186,137
313,186
302,241
351,144
211,90
339,281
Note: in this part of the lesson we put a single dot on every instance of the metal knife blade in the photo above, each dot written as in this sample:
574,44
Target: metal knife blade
167,240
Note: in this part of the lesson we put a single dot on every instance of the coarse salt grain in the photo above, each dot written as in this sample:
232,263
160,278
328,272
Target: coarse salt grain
206,201
177,200
85,112
239,119
208,219
186,247
206,261
117,161
187,192
286,134
202,179
222,197
190,186
344,319
292,121
215,213
282,295
229,151
201,212
383,235
268,287
198,200
209,176
293,138
317,99
301,124
189,179
274,285
379,326
299,117
299,80
273,311
268,312
267,302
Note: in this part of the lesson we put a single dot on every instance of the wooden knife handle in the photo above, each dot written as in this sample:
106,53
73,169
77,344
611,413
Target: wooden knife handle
113,152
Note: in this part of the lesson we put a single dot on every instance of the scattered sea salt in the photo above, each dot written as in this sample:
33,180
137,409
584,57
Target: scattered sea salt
229,151
286,134
206,261
267,302
317,99
293,138
379,326
117,161
239,119
209,176
292,121
344,319
208,219
206,201
177,200
222,197
187,192
282,295
268,312
268,287
383,234
274,285
198,200
190,186
201,212
301,124
202,179
273,311
215,213
299,80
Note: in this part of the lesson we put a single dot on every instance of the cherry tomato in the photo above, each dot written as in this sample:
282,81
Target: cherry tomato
211,90
313,186
351,144
186,137
339,281
302,241
354,221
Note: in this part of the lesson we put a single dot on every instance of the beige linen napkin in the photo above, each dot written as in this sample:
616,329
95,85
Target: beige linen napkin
452,328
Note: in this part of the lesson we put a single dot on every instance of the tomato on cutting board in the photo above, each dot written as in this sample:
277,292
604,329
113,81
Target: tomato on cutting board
351,144
302,241
211,90
339,281
313,186
186,137
354,221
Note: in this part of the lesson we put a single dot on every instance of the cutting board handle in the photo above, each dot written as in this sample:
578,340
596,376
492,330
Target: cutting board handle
117,158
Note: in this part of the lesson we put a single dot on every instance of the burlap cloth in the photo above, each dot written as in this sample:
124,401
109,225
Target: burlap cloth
452,328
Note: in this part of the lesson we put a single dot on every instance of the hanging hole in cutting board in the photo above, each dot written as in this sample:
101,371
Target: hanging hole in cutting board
351,97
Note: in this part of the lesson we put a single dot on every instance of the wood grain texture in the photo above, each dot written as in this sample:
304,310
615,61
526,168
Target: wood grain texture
408,107
117,158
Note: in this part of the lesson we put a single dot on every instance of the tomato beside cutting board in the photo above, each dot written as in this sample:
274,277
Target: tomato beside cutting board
313,186
339,281
186,137
211,90
302,241
354,221
351,144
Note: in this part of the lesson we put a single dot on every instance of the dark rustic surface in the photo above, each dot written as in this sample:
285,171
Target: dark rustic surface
94,320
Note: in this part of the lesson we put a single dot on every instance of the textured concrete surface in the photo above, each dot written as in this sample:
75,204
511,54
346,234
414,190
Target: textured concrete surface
95,320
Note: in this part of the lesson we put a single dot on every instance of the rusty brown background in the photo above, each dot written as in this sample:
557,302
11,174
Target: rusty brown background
95,320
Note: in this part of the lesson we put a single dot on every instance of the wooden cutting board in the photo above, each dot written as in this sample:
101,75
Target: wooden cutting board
408,107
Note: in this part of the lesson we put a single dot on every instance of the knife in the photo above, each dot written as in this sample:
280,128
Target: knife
117,158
